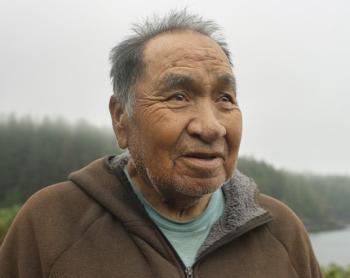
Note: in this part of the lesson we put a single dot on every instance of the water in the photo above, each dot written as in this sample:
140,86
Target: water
332,247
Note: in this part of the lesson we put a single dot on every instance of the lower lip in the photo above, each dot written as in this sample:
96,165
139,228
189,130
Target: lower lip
207,164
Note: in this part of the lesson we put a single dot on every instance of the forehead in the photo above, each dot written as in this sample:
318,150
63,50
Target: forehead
186,50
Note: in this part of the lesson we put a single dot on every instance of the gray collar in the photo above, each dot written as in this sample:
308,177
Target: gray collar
242,213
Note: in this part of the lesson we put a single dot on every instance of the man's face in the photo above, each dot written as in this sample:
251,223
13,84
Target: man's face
185,132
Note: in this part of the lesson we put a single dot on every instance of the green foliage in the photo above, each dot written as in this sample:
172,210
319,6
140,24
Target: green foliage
6,217
321,201
34,154
335,271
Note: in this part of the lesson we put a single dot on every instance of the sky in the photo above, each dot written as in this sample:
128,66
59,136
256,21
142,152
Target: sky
291,60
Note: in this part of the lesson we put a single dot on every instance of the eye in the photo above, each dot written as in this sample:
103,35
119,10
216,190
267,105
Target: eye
226,101
226,98
178,96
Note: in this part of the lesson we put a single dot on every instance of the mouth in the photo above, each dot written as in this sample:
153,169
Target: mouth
203,155
203,160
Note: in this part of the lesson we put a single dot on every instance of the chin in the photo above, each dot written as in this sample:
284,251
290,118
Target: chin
174,183
196,187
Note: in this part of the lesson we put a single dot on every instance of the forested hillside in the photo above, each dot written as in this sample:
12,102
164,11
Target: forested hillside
35,154
321,201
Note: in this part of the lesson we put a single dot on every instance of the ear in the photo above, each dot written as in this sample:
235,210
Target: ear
119,121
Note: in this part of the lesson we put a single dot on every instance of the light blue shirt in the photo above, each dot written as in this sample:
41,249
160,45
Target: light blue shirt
185,237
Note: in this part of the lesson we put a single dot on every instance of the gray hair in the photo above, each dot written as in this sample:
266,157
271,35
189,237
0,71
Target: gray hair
127,57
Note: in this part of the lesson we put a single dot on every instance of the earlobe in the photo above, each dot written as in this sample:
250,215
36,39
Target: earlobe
119,122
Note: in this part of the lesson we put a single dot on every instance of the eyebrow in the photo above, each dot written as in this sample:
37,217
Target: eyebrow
228,80
172,80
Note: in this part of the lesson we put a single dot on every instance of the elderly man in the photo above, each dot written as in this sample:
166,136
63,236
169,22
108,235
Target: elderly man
173,205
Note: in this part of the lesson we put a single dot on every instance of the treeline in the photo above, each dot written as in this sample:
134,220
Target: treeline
322,202
35,154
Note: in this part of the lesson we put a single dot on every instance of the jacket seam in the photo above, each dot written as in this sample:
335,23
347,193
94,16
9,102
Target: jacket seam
80,237
141,251
285,248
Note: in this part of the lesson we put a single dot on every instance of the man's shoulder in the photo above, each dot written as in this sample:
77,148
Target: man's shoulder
60,209
283,218
59,195
71,206
49,223
278,210
287,229
59,206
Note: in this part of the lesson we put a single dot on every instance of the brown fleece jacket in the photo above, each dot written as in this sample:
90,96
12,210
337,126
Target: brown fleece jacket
94,226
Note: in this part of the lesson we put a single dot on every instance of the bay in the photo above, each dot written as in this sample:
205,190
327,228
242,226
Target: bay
332,247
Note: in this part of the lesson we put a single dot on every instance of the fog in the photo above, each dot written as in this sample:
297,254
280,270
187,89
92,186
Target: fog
291,59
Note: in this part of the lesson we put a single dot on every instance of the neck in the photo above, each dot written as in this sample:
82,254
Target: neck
173,205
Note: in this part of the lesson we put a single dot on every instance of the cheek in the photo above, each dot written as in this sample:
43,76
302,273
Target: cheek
234,134
160,130
235,131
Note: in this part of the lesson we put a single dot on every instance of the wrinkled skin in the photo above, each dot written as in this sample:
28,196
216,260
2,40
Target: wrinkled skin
185,130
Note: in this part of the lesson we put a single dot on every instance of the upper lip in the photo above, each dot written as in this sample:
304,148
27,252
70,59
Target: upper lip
203,155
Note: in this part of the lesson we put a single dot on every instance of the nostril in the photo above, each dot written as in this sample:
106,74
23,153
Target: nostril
206,129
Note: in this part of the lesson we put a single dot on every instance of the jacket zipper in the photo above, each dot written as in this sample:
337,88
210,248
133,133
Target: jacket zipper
189,272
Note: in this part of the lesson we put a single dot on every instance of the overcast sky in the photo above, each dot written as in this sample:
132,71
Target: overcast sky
292,62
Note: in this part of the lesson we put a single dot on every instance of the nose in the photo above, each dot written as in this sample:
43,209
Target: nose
205,125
